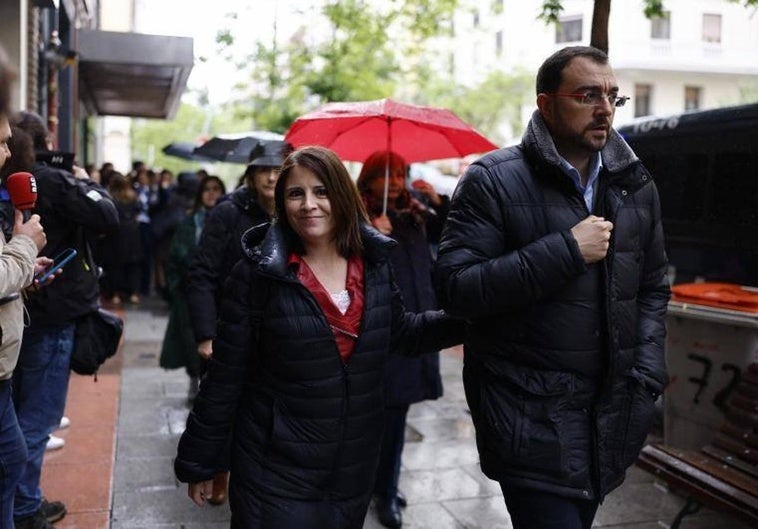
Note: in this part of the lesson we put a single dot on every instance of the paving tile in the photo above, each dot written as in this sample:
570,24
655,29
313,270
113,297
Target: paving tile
441,429
83,443
82,486
85,520
139,474
146,446
164,506
484,513
446,454
421,516
422,486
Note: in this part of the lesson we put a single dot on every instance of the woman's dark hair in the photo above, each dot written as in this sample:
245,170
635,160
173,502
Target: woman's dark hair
35,126
346,204
550,74
198,203
22,153
375,167
121,188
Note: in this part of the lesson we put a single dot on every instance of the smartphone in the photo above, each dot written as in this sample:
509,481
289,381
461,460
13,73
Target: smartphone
58,262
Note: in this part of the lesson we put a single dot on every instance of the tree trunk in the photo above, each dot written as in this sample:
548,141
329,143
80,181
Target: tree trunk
600,14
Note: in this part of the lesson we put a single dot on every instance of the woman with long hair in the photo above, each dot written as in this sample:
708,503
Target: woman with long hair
413,218
295,384
178,348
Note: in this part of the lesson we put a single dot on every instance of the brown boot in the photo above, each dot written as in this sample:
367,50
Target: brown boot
220,484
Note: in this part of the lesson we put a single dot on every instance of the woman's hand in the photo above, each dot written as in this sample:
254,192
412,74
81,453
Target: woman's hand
383,224
427,189
201,491
205,349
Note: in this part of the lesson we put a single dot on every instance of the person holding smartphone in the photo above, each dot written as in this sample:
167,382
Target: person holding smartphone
18,263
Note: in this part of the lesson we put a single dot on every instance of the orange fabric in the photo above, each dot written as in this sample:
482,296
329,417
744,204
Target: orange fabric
722,295
345,327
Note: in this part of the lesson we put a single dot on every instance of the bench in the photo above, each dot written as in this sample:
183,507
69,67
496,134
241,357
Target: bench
722,475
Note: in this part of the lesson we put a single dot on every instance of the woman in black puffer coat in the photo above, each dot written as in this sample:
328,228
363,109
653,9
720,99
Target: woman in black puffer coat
414,220
307,323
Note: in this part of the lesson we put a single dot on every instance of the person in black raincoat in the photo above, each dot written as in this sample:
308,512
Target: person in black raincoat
553,249
414,220
179,348
307,322
220,248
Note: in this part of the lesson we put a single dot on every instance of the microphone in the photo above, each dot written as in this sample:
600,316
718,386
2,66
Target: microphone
22,187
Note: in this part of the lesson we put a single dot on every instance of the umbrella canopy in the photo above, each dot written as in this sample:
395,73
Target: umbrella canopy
185,151
235,148
354,130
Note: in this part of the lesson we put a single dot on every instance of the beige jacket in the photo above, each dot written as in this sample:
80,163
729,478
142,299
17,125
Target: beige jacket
16,272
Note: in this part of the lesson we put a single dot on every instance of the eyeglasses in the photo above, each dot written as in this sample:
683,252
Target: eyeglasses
595,99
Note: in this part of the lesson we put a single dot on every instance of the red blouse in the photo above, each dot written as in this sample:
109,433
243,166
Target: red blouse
344,326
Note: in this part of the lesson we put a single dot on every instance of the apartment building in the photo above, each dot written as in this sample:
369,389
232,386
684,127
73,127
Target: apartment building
702,54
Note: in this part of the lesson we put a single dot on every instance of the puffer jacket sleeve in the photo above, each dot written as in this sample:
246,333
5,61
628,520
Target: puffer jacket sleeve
209,424
204,271
477,273
652,301
424,332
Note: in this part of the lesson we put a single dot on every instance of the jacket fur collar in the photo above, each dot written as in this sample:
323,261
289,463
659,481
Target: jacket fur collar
537,141
265,245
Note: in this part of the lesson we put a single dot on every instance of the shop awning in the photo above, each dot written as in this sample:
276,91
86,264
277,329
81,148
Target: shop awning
133,74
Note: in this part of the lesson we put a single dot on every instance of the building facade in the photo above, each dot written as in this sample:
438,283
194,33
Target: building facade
703,54
78,62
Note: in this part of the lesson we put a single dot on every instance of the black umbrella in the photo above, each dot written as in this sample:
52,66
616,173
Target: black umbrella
185,151
235,150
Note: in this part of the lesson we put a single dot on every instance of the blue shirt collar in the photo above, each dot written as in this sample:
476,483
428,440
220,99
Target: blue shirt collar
593,171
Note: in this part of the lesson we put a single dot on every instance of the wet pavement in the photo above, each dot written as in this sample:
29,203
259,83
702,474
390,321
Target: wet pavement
440,474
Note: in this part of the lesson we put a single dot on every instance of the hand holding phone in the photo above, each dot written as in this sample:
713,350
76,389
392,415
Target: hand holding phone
58,262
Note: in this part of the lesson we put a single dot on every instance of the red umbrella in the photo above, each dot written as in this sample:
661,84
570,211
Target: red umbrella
354,130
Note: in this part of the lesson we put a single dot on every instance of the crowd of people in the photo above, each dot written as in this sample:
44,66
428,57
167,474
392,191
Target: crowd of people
309,309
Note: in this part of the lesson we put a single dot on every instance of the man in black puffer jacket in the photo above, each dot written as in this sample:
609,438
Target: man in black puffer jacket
553,249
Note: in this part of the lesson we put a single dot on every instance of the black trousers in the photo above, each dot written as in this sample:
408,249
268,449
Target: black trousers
391,453
534,509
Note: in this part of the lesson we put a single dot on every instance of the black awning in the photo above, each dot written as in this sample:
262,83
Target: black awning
133,74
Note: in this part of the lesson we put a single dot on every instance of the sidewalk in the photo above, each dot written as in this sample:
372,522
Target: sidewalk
116,468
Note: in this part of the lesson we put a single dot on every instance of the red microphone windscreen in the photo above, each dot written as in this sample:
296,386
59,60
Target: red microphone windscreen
22,187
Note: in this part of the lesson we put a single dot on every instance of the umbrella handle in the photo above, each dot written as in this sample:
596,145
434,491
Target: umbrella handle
387,166
386,186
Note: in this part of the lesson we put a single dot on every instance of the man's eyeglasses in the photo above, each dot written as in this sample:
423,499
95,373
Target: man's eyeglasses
595,99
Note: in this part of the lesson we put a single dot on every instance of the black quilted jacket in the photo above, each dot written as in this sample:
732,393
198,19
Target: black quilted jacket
307,428
219,249
562,360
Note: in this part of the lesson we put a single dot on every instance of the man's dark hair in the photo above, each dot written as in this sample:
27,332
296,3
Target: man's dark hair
34,125
7,76
550,74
